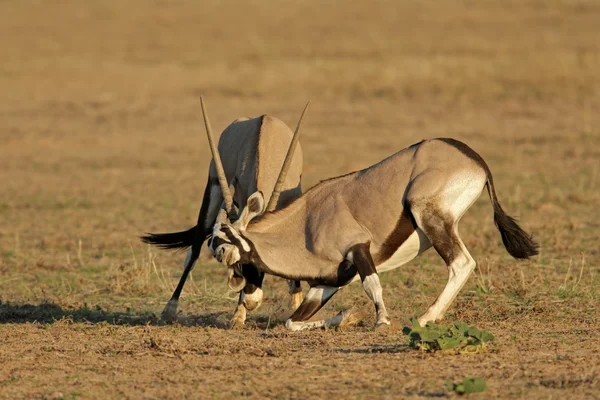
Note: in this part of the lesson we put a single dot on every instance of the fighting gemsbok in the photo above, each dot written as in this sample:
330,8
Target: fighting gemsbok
253,154
367,222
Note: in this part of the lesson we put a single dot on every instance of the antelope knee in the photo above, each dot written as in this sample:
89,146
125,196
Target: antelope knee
253,300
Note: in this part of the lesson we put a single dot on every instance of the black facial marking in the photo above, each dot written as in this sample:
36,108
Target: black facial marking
232,238
215,242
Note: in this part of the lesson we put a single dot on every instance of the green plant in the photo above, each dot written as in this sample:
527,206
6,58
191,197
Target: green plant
456,338
468,385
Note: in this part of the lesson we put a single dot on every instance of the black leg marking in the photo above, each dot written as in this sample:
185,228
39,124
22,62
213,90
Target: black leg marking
170,311
315,299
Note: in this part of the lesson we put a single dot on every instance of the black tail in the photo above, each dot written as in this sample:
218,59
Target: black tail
175,240
518,243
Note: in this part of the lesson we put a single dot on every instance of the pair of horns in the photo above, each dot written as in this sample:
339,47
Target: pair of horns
221,172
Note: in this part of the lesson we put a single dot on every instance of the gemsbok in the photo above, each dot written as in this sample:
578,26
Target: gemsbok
367,222
253,153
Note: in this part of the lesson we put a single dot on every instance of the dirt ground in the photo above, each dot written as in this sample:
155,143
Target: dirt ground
101,140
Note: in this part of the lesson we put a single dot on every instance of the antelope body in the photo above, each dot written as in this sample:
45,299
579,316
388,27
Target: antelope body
254,151
370,221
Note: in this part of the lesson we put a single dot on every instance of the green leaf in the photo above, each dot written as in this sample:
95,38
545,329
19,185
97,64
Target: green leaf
474,385
429,335
462,327
448,343
487,337
476,333
460,388
467,386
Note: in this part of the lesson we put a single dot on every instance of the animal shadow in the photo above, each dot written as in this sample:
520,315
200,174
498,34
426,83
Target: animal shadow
49,313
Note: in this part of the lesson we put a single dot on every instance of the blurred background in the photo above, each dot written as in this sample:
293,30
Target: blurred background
101,140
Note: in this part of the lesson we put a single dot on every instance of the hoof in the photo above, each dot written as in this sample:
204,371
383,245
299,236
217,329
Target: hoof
424,320
236,323
169,314
239,317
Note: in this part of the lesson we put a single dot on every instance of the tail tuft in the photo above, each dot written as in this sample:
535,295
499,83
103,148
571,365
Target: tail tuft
170,241
518,243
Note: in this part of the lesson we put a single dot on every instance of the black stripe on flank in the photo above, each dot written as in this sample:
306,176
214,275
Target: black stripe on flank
403,229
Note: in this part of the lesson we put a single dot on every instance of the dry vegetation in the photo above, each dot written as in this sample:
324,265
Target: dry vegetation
101,140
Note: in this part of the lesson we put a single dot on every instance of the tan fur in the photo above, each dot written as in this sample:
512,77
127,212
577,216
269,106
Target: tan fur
252,155
360,207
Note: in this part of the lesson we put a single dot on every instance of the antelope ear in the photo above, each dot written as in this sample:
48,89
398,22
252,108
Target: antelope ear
254,207
235,279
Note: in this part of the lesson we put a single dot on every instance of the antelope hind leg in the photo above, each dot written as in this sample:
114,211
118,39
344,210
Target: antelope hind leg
442,231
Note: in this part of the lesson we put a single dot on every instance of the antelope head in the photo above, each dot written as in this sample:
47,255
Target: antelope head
227,242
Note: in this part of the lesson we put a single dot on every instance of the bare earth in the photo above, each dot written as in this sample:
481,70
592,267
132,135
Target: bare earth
101,140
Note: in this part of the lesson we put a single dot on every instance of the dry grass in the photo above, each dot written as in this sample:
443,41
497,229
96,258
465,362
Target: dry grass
101,141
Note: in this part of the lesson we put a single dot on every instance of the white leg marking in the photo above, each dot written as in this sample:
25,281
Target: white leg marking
320,293
324,323
373,289
253,300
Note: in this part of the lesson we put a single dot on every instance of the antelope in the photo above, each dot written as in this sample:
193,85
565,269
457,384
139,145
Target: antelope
370,221
254,151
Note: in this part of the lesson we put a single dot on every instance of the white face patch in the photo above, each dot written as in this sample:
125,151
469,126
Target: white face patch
227,254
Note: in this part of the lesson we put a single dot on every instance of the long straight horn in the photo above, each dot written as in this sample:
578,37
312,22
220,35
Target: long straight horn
286,165
217,158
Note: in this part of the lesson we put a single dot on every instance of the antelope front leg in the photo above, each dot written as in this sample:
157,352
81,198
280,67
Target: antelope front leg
239,316
360,256
250,299
316,298
295,294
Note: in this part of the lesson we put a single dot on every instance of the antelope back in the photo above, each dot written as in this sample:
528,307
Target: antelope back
273,143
